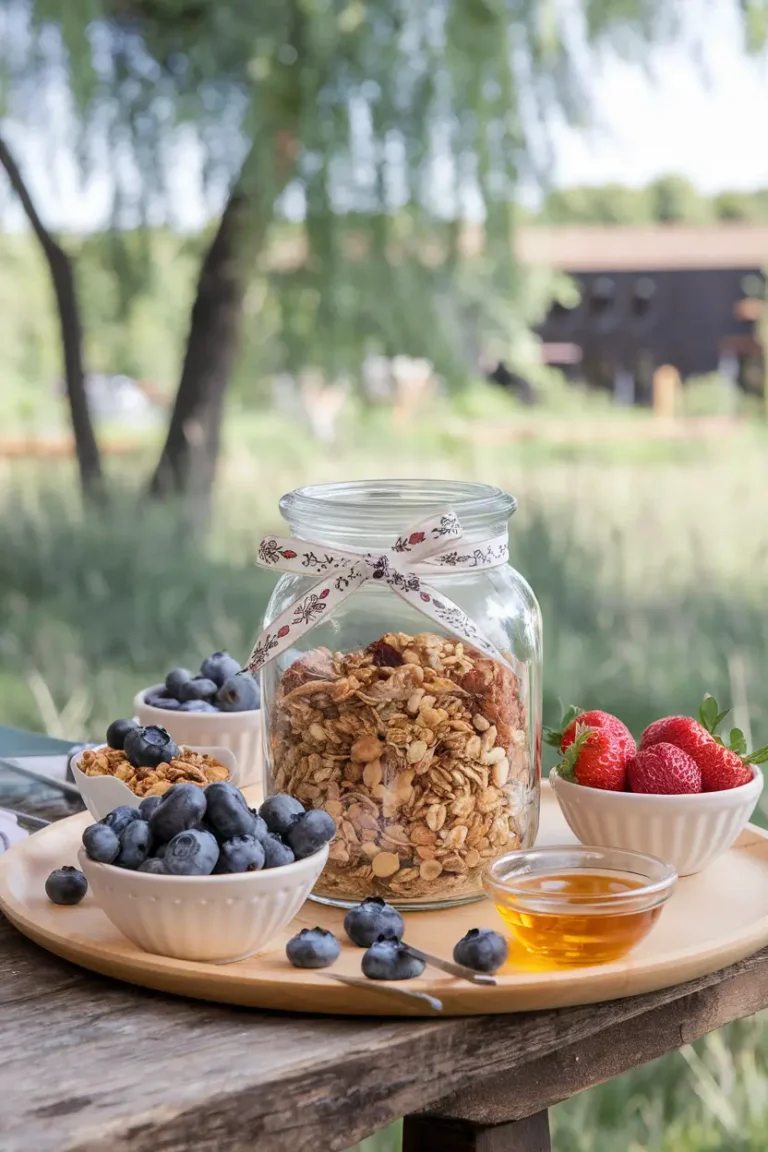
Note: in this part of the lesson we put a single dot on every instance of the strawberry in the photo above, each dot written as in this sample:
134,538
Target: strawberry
563,737
664,769
597,758
722,766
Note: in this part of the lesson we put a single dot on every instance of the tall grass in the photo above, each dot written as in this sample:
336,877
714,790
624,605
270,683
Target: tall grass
652,579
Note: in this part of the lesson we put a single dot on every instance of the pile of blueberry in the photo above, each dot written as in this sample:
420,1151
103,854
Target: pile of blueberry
192,831
378,927
219,686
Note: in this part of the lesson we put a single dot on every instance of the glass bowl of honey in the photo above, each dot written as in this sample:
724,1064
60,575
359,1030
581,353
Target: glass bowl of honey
576,906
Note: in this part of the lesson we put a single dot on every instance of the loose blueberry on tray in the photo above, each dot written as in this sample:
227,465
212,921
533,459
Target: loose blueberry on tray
66,886
313,948
481,949
389,959
371,919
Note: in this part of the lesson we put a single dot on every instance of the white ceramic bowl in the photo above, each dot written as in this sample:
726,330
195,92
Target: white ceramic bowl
103,793
211,919
238,731
688,832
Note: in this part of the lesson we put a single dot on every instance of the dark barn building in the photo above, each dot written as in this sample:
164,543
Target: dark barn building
680,295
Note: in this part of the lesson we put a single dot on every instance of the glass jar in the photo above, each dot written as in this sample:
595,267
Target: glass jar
424,746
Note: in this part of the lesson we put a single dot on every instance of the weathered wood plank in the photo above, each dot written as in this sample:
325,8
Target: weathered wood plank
90,1063
433,1134
567,1071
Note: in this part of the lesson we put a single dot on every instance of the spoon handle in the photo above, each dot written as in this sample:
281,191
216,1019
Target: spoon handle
452,969
387,989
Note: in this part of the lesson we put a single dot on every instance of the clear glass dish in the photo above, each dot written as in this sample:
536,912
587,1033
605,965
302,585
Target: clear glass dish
578,906
425,750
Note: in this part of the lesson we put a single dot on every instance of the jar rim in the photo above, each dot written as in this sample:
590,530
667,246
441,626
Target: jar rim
394,505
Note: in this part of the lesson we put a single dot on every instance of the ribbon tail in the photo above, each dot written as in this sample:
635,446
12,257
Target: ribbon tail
315,606
453,619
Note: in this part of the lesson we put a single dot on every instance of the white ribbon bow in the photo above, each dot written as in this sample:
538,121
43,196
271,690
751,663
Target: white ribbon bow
422,549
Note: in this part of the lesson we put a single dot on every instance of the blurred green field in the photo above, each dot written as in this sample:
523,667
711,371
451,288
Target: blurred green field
649,560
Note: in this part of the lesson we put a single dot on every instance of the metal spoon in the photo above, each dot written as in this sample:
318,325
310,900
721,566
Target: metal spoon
386,989
459,970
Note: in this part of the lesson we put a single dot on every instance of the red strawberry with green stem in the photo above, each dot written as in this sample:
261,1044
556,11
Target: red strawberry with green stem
722,766
596,758
564,736
664,770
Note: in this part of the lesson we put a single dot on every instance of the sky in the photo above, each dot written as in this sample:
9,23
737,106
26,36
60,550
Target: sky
704,120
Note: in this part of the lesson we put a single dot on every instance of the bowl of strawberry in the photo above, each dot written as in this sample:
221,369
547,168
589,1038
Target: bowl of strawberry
681,793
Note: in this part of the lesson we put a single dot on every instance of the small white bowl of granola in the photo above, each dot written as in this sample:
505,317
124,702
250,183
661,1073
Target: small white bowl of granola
108,777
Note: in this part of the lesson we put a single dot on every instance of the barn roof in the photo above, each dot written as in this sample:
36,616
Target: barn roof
615,248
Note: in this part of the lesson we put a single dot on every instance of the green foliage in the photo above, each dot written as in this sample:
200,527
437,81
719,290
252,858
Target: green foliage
670,199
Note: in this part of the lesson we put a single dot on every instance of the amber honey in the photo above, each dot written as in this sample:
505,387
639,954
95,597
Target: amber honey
570,918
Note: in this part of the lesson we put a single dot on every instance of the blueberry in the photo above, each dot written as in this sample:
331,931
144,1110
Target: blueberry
148,805
313,948
181,808
192,853
117,732
371,919
135,845
239,693
159,700
219,667
120,817
197,706
276,853
154,865
175,681
481,949
101,843
150,746
241,854
279,812
228,811
389,959
160,850
200,688
66,886
308,834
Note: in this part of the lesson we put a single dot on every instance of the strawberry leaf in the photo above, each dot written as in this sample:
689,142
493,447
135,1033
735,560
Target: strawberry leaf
760,756
737,742
566,767
710,716
554,736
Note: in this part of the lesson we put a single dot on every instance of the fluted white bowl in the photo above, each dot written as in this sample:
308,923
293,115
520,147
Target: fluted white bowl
210,919
238,731
103,793
688,831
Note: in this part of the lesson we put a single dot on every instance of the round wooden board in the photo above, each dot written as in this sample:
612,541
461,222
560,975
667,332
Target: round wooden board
712,920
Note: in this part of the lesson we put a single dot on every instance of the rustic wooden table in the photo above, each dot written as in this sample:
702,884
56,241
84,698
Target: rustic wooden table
89,1065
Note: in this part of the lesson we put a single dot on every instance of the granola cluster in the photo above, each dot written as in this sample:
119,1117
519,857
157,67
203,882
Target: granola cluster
189,768
418,747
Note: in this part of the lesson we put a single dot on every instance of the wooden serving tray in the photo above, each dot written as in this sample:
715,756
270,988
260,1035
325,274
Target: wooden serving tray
712,920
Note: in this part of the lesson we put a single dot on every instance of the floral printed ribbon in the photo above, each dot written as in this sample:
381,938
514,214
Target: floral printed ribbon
422,550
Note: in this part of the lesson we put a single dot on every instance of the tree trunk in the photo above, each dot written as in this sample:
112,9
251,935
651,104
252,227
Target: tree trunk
62,277
187,465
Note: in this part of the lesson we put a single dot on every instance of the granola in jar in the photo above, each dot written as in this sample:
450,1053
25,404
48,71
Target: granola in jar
418,746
